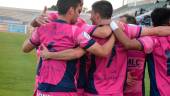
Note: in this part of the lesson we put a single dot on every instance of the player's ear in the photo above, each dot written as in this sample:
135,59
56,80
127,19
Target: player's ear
97,15
71,11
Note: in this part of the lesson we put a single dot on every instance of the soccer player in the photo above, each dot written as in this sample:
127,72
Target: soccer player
134,85
56,77
158,60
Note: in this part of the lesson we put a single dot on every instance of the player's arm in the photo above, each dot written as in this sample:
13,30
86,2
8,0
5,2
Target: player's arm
41,19
102,32
31,42
122,37
27,46
158,31
68,54
98,50
145,44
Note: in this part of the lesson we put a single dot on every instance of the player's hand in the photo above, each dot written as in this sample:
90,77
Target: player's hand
44,53
40,20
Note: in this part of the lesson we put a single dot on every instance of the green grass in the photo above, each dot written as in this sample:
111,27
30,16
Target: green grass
16,68
147,82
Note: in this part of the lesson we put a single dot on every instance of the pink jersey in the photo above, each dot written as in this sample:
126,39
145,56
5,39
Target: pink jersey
39,93
159,67
107,75
53,15
136,66
135,73
58,75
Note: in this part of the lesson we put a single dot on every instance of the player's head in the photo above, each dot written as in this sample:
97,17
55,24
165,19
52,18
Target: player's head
69,8
161,17
81,5
128,19
101,10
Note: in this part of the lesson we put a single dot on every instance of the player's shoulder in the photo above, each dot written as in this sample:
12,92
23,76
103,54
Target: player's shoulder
48,25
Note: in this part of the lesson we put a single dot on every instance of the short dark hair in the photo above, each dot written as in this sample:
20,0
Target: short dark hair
130,19
64,5
160,16
104,8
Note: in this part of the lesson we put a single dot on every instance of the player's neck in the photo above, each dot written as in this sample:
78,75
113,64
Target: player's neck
104,22
62,17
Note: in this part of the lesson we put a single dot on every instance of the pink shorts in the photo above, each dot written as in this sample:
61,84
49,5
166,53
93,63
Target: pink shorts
39,93
115,94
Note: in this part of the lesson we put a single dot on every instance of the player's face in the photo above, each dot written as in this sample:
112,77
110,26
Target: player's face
81,5
76,14
93,18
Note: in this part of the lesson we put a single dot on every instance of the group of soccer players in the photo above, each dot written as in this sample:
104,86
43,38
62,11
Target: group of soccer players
103,59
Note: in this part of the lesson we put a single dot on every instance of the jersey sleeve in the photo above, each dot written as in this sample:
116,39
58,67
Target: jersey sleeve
148,43
35,40
80,22
133,31
89,28
82,38
52,15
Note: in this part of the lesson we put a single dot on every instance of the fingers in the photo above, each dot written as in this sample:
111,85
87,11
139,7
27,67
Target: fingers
44,47
45,10
42,20
44,52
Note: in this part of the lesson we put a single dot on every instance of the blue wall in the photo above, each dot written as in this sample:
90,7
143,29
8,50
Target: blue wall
16,28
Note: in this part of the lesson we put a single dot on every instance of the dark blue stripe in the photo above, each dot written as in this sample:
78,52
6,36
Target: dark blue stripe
39,66
151,68
91,86
90,43
33,43
60,21
50,47
111,57
167,52
139,32
67,82
91,33
124,83
81,83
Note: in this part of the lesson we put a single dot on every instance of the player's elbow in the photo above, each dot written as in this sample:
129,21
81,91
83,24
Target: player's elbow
25,50
128,46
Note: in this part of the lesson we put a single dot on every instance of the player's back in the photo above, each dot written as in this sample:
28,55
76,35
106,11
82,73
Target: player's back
132,31
159,67
107,75
57,75
135,72
101,72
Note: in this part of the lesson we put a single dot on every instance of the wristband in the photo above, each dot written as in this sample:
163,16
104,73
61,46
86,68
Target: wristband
113,26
